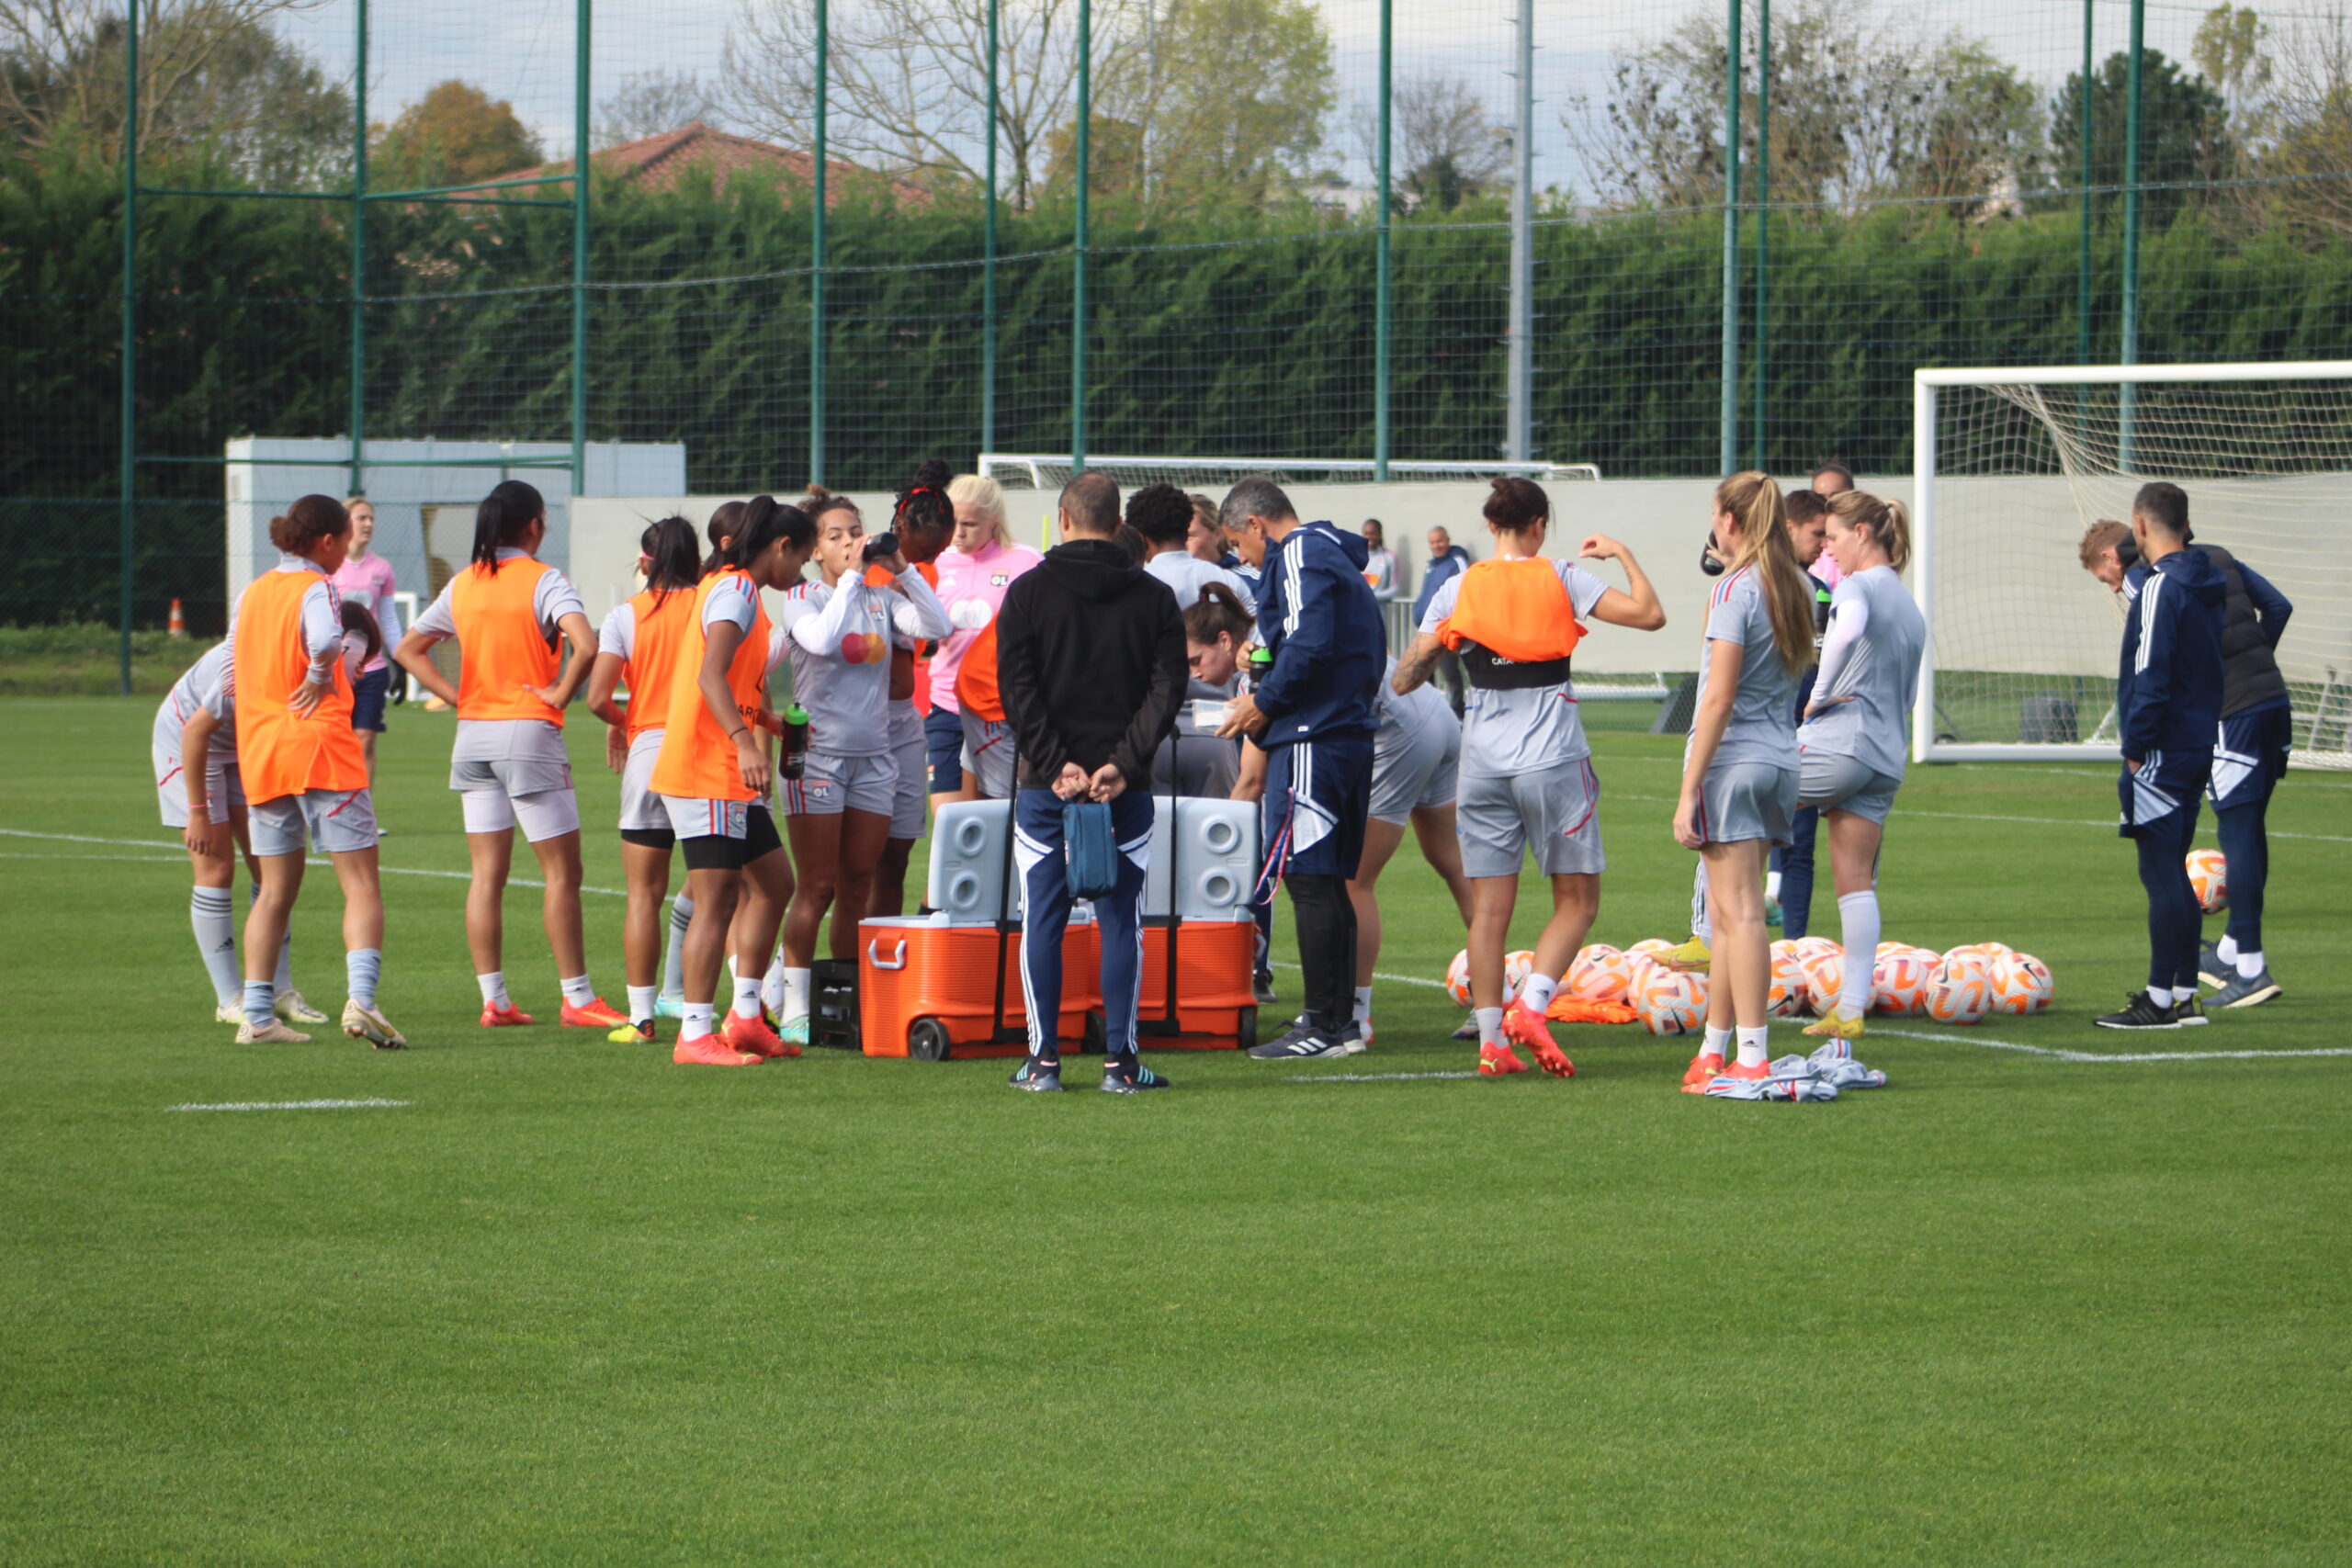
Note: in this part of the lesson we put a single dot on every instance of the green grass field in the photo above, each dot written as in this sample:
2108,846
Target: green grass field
2035,1302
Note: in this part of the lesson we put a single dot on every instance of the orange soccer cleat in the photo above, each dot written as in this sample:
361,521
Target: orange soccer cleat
1523,1025
503,1015
710,1051
753,1035
1702,1068
593,1013
1498,1061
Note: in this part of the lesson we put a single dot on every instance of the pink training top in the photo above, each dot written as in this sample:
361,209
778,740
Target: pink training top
972,587
366,581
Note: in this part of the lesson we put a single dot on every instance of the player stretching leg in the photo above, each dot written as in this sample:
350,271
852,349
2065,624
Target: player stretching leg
1852,741
1526,779
1739,769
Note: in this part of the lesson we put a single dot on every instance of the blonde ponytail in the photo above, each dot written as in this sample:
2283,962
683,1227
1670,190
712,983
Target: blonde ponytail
1890,525
1755,500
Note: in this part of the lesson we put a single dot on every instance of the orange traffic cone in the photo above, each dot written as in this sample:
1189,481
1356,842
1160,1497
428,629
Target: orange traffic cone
178,624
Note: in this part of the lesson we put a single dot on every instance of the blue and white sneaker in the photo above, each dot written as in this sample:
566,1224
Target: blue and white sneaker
1126,1074
1304,1043
1038,1077
2242,992
2212,970
670,1007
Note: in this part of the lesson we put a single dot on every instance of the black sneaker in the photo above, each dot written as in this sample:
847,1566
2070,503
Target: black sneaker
1306,1043
1261,985
1038,1077
2191,1014
2141,1012
2212,970
1124,1075
2242,992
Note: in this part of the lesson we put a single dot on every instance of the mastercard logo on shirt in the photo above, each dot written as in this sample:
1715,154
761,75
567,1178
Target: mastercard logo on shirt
859,648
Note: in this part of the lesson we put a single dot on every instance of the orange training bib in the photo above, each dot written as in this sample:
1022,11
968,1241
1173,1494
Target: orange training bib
278,754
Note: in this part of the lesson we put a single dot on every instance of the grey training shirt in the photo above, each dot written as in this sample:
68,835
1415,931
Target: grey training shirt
1871,654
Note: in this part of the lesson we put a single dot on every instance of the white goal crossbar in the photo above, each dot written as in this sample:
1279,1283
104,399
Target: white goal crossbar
1047,470
1999,504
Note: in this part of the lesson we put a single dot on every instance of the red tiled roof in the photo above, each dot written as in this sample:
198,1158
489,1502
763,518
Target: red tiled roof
658,162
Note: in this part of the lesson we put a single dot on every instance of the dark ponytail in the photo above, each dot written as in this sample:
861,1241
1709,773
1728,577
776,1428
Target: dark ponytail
1514,503
356,618
1219,610
923,505
671,561
312,519
764,521
725,518
505,515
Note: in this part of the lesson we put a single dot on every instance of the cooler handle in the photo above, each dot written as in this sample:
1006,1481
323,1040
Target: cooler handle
873,956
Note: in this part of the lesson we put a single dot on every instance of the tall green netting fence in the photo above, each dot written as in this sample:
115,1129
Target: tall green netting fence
357,222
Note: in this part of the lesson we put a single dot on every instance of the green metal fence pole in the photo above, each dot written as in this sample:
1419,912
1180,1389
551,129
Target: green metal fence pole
2083,263
1383,299
129,424
817,263
583,29
1763,214
359,254
1077,292
1728,446
987,264
2128,401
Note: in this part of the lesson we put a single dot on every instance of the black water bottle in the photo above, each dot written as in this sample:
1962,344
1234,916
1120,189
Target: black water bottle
1261,664
796,741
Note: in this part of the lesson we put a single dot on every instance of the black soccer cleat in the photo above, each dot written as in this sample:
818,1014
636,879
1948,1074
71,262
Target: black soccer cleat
1128,1076
2139,1012
1037,1077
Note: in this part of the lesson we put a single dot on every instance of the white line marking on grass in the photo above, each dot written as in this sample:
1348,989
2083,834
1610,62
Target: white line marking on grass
118,860
1982,816
294,1105
386,870
1393,980
2057,1054
1372,1078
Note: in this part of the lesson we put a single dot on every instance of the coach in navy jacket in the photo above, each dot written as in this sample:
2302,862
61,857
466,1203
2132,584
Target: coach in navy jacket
1313,713
2168,709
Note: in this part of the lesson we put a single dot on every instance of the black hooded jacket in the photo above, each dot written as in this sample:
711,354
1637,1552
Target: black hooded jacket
1089,655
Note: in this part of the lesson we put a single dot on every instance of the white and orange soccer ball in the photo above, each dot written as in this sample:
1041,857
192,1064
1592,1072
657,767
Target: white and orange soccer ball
1651,946
1792,993
2020,983
1601,974
1899,982
1517,967
2209,875
1669,1002
1962,991
1457,978
1825,970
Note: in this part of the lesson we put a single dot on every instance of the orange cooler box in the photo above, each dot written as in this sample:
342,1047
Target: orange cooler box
1215,1007
929,991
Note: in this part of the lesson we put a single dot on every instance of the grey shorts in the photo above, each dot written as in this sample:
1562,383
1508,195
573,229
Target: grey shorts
1555,812
910,805
1747,800
522,756
989,755
1831,783
336,821
831,784
1415,774
224,789
642,809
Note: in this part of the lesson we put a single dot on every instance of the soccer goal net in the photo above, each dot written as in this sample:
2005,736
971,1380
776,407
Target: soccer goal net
2012,467
1049,471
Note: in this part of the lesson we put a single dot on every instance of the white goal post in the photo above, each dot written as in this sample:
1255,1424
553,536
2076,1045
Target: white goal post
1051,470
2011,464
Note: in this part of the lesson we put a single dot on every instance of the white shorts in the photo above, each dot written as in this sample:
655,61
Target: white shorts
224,790
1738,801
1417,773
642,809
831,784
338,821
910,803
544,814
1831,783
1555,812
989,755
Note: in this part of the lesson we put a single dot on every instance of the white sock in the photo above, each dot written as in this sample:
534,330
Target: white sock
696,1022
2250,966
362,967
772,985
641,999
1857,915
796,994
578,991
258,999
2160,994
1364,1003
285,963
1491,1026
1718,1043
673,983
2182,993
493,989
1752,1050
2226,950
212,913
1771,885
747,998
1536,991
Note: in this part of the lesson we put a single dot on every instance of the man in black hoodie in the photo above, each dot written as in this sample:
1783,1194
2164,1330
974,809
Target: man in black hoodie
1090,662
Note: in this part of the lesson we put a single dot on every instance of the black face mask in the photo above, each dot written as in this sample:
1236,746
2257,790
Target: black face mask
1710,563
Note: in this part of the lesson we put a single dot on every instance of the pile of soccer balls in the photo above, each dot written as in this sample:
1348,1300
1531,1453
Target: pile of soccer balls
1808,974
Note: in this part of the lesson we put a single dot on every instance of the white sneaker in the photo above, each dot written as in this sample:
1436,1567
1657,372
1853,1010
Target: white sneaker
367,1023
275,1033
229,1012
290,1007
